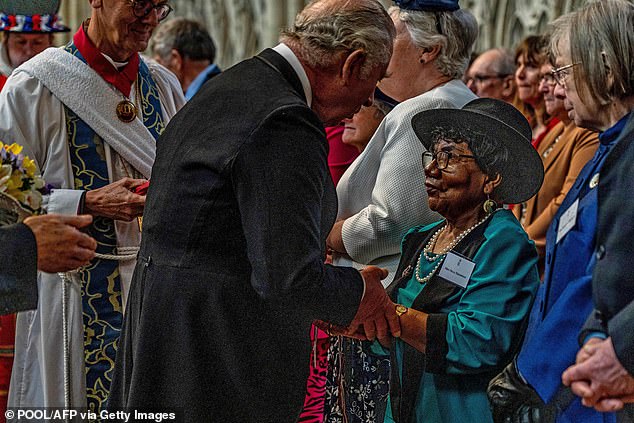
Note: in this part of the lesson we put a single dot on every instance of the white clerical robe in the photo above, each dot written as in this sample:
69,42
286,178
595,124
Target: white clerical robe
33,117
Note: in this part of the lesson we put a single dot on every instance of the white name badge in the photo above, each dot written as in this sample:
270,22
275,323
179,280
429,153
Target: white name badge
567,221
456,269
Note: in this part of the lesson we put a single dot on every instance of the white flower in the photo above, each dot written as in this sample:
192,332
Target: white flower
33,199
5,174
38,183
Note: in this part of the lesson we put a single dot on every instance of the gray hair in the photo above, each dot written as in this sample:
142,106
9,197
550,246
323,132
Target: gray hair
601,41
326,27
491,156
459,32
187,36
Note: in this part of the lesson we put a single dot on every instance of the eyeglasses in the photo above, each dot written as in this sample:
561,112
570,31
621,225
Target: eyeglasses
442,158
480,79
562,73
142,8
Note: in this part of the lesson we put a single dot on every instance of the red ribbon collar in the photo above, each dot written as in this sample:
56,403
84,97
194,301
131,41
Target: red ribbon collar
121,79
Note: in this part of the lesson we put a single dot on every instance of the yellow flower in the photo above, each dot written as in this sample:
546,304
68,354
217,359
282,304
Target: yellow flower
15,181
15,148
18,195
29,167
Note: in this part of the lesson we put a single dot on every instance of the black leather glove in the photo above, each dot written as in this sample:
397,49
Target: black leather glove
514,401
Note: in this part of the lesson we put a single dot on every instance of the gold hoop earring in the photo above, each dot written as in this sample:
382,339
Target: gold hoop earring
489,205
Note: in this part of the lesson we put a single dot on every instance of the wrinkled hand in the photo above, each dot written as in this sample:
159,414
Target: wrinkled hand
599,378
60,245
116,200
376,312
514,401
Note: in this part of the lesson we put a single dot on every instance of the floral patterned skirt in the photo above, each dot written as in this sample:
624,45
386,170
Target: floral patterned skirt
357,383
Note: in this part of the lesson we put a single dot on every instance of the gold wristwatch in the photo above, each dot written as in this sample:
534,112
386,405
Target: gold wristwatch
401,310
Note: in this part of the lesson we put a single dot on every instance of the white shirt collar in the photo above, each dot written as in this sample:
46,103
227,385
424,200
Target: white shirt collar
283,50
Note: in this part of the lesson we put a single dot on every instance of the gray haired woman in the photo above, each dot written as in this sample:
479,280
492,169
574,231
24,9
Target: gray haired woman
589,245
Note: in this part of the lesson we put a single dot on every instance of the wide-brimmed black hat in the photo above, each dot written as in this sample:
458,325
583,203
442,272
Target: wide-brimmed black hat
523,174
31,16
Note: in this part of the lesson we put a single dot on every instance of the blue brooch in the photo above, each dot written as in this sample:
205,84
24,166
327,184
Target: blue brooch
429,5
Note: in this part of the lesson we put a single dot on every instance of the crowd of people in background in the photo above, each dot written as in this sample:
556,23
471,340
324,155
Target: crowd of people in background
365,223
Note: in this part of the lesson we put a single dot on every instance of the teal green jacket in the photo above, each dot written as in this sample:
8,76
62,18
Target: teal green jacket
472,332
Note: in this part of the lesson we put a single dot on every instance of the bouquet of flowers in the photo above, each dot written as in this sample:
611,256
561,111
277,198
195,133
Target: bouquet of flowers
21,187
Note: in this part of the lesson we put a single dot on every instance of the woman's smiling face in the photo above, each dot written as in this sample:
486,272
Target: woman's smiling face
457,188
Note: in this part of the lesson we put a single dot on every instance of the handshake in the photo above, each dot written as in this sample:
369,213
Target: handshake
376,316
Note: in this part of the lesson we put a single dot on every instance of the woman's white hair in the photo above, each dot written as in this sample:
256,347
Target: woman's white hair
458,32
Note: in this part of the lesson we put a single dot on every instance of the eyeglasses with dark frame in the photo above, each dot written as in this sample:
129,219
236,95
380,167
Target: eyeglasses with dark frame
561,73
142,8
442,158
480,79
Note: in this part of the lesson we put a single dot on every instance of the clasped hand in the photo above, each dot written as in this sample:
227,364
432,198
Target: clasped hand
376,316
116,200
599,378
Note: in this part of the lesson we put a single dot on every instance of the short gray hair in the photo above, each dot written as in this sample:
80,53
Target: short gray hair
459,32
189,37
326,27
602,43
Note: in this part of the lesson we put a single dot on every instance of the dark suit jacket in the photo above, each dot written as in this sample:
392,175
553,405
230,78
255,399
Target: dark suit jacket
613,277
230,273
18,269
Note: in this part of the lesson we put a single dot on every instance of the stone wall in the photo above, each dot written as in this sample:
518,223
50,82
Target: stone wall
243,27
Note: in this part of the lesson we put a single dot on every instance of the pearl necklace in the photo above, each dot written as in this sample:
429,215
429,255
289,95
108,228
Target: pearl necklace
432,257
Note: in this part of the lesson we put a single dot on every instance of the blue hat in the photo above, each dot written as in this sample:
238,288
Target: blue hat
31,16
429,5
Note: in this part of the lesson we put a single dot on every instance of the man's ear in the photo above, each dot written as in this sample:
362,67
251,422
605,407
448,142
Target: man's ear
491,183
352,66
508,86
176,60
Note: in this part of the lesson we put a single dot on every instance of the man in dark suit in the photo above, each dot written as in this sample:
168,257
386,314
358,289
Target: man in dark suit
50,243
231,270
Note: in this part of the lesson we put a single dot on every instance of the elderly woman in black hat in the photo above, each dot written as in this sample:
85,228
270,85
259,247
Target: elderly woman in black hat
465,284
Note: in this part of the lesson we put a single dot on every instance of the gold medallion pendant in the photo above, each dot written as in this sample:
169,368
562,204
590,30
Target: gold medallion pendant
126,111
